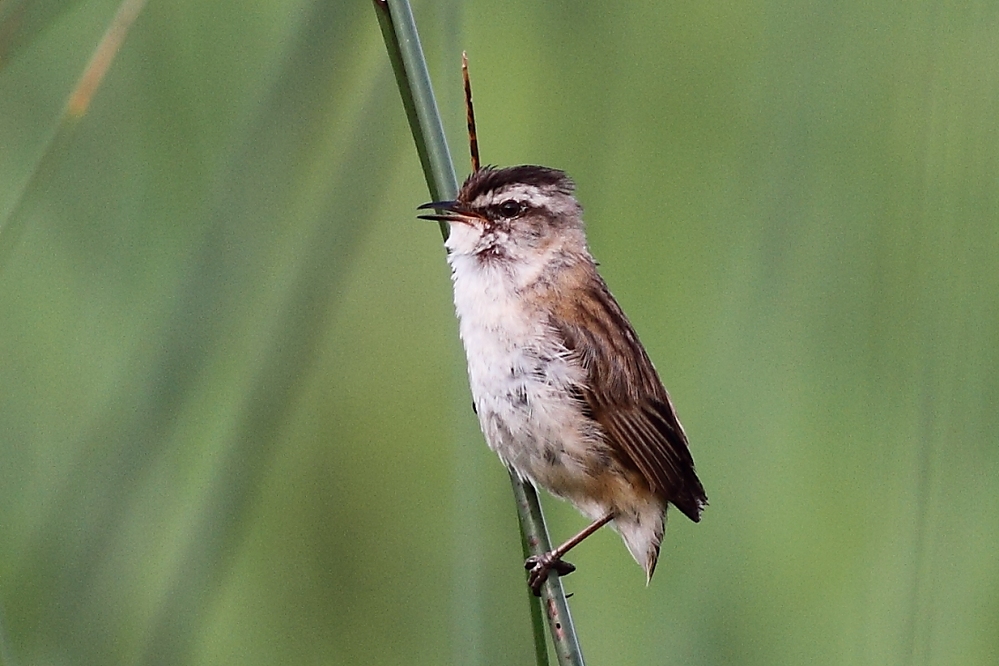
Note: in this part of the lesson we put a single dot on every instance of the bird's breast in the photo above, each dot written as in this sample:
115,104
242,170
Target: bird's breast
525,383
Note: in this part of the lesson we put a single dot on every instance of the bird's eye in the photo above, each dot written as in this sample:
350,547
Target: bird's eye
510,208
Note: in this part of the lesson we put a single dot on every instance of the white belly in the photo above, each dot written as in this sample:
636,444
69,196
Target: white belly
523,384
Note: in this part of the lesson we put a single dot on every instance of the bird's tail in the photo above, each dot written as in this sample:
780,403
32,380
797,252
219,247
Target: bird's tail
643,534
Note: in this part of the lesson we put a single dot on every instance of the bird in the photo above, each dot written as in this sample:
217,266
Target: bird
563,389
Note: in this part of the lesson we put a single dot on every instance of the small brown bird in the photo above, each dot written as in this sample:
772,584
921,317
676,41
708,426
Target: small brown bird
563,389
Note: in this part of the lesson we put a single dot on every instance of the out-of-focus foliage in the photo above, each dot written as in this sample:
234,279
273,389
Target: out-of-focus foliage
234,424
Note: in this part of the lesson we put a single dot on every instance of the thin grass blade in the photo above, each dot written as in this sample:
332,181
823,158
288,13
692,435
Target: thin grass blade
76,107
409,64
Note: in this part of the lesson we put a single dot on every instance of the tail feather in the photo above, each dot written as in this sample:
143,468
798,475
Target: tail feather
643,533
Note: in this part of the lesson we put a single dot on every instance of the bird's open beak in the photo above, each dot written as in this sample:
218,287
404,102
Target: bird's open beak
453,212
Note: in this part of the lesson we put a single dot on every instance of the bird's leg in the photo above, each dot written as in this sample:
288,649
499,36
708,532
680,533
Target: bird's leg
540,566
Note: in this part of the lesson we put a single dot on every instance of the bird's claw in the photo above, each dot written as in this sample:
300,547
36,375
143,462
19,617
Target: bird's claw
539,567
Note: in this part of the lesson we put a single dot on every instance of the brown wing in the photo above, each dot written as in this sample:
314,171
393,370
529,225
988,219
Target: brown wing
626,397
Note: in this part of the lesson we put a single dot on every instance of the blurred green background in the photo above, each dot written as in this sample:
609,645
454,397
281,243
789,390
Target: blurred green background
234,421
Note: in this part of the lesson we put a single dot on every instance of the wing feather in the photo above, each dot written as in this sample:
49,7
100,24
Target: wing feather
626,397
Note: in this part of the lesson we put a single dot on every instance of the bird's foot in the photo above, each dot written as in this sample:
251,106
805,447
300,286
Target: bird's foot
539,567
